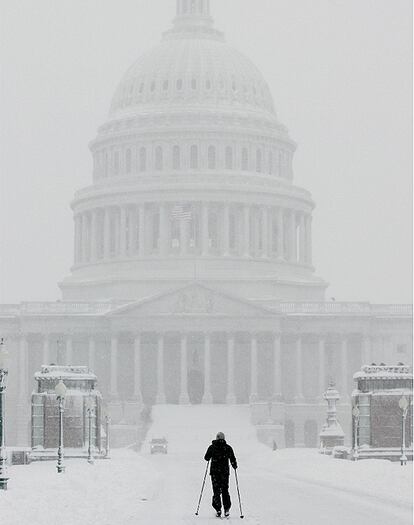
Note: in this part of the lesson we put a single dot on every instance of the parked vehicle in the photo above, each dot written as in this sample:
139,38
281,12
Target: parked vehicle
159,446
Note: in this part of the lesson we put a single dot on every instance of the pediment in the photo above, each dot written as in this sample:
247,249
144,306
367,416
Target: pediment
192,300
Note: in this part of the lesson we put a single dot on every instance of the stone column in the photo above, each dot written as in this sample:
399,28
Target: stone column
265,233
46,350
113,385
253,369
137,368
93,236
309,239
160,400
142,240
85,239
366,350
23,412
280,235
69,350
344,367
231,397
246,211
91,353
299,370
107,234
292,237
226,231
322,367
389,350
277,361
23,365
184,399
77,237
207,397
122,232
183,237
302,236
205,249
132,231
163,240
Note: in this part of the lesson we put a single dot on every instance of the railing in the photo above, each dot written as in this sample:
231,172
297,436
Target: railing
345,308
67,308
203,178
9,309
81,308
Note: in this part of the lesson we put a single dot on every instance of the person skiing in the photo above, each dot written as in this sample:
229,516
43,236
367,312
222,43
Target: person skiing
220,454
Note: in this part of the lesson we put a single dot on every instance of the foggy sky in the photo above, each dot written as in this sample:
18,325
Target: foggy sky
340,74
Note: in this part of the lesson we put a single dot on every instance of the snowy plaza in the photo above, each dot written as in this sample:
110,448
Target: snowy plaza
283,487
215,276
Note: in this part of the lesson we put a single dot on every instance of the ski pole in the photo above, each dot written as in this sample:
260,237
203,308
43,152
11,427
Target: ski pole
238,493
202,488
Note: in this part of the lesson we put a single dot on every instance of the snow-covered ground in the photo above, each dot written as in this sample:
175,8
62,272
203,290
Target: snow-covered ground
286,487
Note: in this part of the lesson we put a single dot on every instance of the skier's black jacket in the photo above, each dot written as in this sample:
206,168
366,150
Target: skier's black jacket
220,454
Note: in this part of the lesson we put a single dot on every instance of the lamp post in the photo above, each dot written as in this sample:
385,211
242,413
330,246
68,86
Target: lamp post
60,391
90,413
403,404
355,414
3,453
107,423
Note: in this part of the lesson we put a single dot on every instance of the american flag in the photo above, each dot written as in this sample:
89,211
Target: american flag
182,212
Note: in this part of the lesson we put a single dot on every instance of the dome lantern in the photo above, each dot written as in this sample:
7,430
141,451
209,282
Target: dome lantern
193,19
193,8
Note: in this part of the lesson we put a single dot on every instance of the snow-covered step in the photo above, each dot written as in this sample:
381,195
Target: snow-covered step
190,429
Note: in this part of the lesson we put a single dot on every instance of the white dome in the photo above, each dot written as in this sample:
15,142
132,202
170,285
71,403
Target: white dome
187,69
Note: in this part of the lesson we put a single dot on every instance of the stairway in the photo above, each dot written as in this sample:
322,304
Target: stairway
187,428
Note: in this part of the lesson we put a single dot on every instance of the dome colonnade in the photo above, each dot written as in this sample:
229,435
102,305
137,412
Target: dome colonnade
153,229
192,129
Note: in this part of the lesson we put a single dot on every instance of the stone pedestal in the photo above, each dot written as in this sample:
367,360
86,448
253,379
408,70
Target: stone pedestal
332,434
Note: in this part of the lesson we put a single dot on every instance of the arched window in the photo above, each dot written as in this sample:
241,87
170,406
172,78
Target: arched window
194,157
194,83
270,163
185,6
245,159
176,158
128,161
229,158
141,87
153,85
179,84
142,159
310,433
208,84
116,163
211,158
259,160
165,85
289,434
158,158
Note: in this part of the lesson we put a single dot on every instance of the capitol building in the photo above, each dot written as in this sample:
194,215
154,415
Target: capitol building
193,279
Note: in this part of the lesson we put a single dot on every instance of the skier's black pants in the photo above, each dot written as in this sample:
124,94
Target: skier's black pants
220,484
